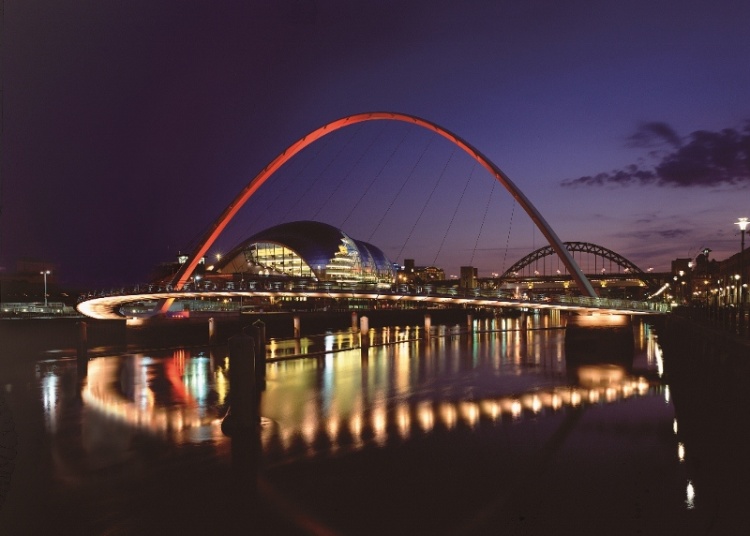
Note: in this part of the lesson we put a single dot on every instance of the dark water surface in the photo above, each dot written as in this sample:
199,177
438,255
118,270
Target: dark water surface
490,433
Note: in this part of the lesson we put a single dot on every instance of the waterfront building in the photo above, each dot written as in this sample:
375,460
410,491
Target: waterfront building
307,250
409,273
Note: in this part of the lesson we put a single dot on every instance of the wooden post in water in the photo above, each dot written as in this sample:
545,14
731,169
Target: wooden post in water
83,350
211,331
427,326
242,422
243,411
469,323
364,332
297,331
259,332
354,321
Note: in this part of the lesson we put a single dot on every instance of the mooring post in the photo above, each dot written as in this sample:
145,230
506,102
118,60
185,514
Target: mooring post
243,410
211,331
364,332
296,327
259,331
83,349
242,422
427,326
354,321
469,323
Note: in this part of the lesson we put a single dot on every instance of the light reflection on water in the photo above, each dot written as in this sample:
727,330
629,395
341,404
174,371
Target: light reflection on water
347,399
493,383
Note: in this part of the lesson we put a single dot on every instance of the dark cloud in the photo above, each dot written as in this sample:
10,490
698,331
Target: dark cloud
654,134
672,233
706,159
666,234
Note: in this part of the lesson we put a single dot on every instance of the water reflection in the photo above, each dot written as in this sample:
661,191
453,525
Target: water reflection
500,383
349,399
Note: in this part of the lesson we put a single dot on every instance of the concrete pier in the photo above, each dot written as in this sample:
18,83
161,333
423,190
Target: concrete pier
599,338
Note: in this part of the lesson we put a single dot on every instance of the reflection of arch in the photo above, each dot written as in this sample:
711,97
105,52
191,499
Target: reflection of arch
584,247
186,270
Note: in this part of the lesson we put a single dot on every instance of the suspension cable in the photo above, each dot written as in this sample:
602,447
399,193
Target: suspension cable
424,207
484,217
349,172
194,240
510,228
403,185
315,181
375,178
455,211
287,186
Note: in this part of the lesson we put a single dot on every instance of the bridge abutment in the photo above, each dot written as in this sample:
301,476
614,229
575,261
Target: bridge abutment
599,339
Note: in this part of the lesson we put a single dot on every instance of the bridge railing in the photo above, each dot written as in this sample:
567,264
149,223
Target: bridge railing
342,289
610,303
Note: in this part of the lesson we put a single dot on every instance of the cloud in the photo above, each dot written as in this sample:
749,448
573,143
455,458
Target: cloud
654,134
668,234
705,159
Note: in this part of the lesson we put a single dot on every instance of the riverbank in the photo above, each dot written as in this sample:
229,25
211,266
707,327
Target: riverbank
707,370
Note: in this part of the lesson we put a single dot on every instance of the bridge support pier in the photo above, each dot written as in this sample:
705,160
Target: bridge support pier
599,339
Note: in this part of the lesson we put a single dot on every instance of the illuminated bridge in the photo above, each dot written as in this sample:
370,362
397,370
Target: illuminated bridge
109,306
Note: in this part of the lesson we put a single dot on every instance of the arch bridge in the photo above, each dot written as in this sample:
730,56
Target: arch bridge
107,306
609,267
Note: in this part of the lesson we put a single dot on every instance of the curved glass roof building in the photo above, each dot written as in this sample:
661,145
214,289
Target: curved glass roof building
308,249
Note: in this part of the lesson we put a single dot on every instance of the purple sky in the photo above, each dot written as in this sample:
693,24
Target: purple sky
129,125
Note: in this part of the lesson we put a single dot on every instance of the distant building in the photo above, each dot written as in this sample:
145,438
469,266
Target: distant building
468,277
419,275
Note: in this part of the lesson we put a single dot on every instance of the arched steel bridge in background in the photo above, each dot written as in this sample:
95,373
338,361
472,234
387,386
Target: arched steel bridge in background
187,269
583,247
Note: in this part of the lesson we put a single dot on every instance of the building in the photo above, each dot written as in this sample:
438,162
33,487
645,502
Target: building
307,250
469,277
419,275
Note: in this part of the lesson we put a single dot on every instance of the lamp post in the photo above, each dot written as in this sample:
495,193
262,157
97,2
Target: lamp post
743,223
45,273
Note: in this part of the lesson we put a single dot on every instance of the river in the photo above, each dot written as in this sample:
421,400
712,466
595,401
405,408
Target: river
492,432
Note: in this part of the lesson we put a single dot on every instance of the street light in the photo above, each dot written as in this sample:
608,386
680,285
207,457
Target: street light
45,273
743,223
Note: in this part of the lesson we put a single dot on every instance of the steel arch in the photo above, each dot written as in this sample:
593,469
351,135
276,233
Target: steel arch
186,270
584,247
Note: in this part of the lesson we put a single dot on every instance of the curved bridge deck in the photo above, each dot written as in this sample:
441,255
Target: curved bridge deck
108,306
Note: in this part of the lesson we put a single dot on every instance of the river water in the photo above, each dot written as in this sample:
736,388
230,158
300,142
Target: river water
485,433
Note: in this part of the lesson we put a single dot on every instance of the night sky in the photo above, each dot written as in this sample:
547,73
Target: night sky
128,126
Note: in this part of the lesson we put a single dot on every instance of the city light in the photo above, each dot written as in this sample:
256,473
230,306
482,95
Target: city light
45,273
742,223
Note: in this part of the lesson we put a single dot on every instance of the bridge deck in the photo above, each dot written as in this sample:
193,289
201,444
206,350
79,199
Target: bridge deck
108,306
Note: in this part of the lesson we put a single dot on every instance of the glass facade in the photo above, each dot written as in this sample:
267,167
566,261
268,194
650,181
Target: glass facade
308,249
